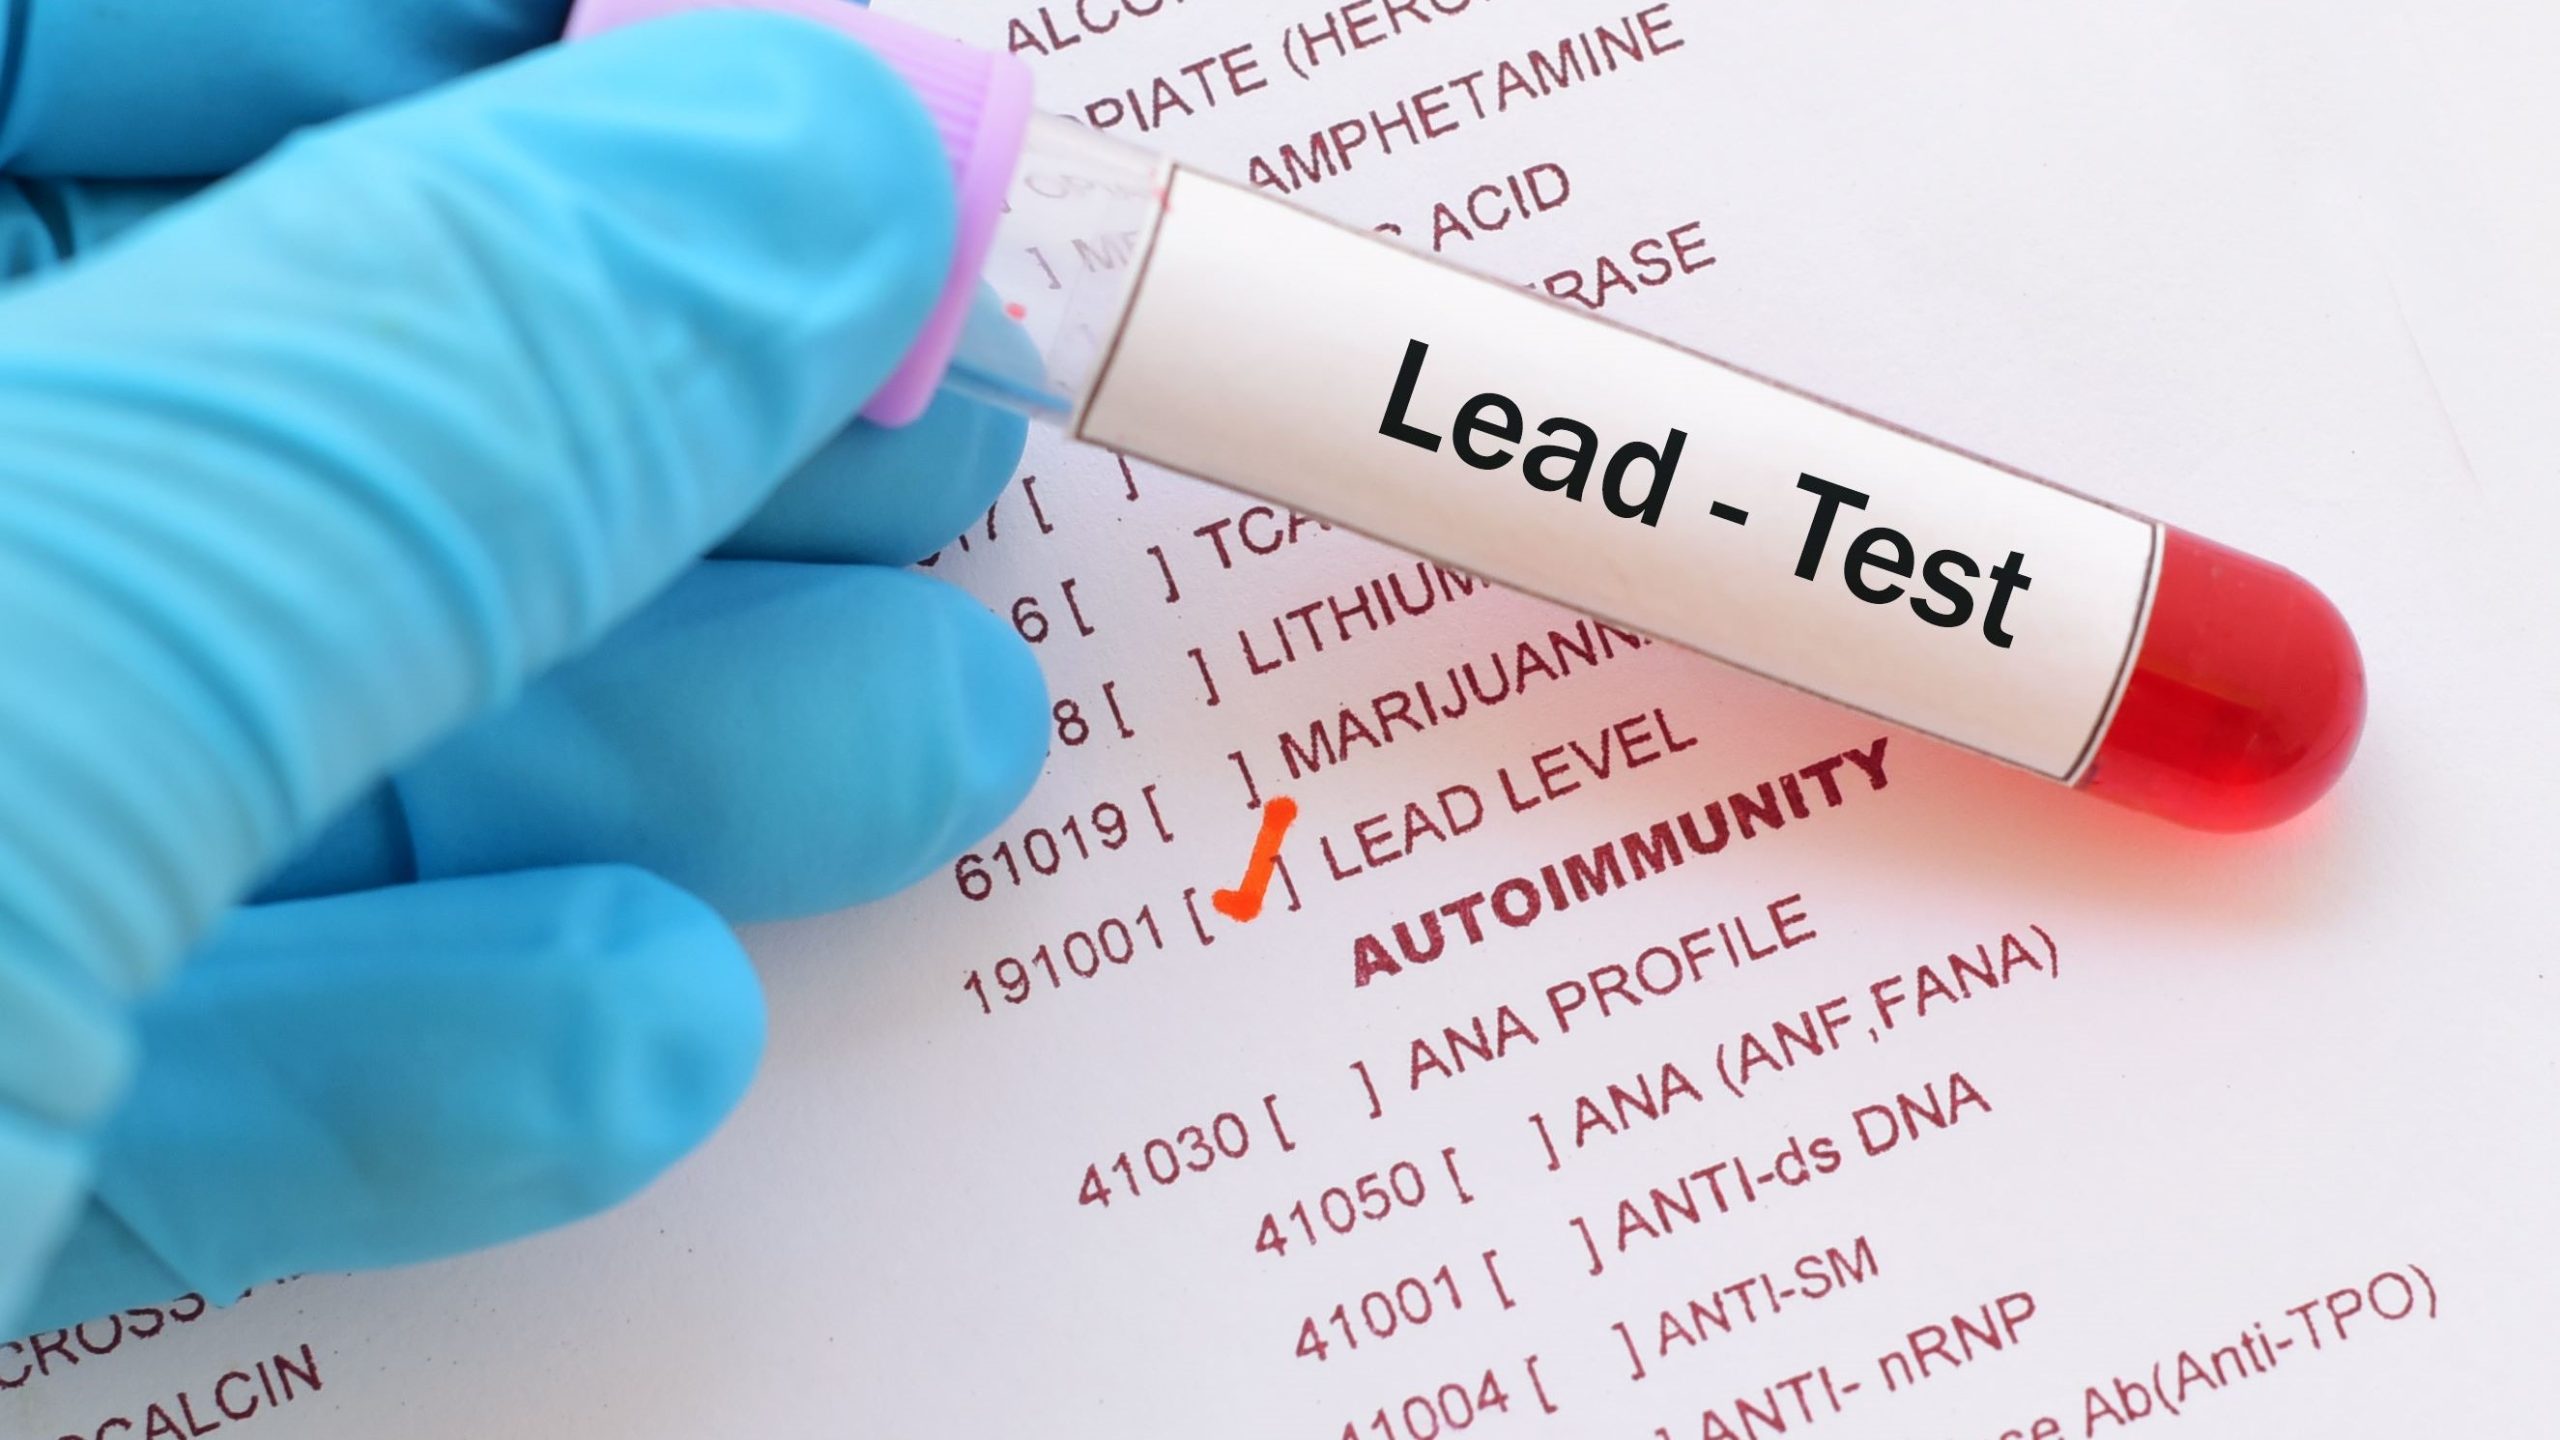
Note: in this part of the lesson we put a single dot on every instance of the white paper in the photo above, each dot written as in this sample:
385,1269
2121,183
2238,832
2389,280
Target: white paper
2265,276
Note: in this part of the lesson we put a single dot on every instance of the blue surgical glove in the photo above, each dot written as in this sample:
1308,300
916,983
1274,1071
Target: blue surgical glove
352,523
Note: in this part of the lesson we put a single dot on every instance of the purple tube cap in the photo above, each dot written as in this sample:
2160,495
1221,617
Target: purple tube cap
980,104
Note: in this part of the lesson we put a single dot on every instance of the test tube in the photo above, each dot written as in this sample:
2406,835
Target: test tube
1146,306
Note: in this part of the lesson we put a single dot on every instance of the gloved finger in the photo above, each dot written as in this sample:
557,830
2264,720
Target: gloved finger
172,90
334,457
893,496
870,495
888,496
778,739
389,1077
43,223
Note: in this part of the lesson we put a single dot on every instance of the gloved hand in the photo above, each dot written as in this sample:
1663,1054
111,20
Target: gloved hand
367,490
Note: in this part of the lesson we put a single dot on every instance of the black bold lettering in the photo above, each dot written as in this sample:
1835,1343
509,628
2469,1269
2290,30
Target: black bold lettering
1872,549
1829,499
1585,445
1472,422
2005,578
1393,426
1959,599
1662,461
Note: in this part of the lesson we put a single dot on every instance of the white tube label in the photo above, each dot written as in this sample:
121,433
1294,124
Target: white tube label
1569,457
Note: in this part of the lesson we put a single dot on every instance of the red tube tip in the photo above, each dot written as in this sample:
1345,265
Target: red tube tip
2245,700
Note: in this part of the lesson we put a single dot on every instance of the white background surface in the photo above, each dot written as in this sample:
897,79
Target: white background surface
2278,274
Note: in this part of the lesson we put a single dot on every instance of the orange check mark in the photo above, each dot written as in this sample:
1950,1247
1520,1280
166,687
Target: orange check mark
1245,901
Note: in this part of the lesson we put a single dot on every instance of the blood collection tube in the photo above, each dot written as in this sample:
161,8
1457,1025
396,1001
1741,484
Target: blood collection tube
1143,305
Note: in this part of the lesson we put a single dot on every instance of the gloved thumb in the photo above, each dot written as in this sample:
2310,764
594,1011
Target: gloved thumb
338,455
